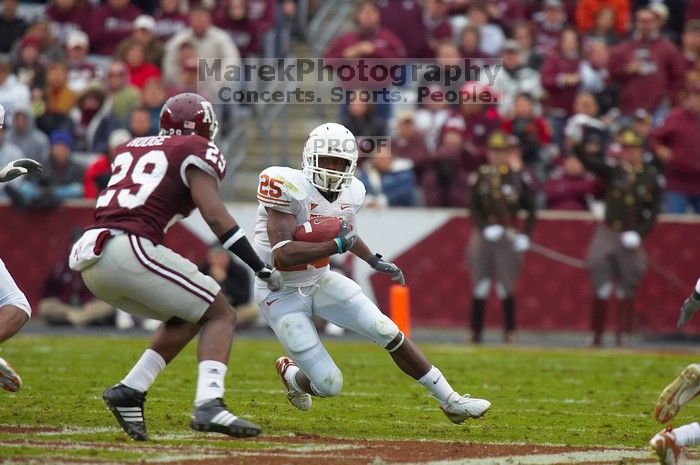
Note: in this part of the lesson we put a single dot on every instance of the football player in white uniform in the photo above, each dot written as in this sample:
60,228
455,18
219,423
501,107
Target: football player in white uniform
326,187
14,308
670,443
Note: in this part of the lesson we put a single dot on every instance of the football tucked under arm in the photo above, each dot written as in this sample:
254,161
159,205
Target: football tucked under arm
327,229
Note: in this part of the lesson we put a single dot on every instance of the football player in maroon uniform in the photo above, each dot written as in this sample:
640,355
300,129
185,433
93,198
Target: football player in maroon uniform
155,182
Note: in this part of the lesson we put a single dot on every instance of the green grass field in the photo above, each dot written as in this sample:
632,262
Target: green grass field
562,397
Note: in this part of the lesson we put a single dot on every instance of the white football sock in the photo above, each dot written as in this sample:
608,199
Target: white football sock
210,384
687,435
291,376
144,373
437,385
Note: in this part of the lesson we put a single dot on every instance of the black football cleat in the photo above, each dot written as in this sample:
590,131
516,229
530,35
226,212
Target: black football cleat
127,406
215,417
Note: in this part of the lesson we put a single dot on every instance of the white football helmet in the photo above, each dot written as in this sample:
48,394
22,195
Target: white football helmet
330,140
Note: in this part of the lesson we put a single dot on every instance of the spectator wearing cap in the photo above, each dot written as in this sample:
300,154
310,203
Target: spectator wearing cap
140,70
648,68
68,16
92,120
99,171
60,180
24,134
244,33
29,68
123,96
81,71
112,22
532,132
690,45
524,36
515,78
408,142
561,80
59,97
604,28
143,33
169,19
549,23
676,143
12,27
500,190
491,35
670,13
12,92
370,41
588,11
437,27
389,181
206,41
569,186
404,18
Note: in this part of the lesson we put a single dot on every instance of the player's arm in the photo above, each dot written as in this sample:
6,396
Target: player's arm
204,189
376,261
690,305
288,252
19,167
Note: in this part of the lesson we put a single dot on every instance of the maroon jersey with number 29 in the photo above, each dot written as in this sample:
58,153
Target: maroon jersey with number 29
148,191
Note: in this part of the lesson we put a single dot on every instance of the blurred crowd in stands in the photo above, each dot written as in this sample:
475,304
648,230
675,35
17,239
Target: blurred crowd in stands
82,76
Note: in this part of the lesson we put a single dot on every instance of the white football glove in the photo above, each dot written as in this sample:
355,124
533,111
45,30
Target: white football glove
19,167
383,266
272,277
688,309
494,232
631,239
521,243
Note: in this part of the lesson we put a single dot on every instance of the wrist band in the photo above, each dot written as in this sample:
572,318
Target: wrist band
339,244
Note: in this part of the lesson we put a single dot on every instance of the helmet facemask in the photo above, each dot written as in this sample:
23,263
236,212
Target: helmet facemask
325,179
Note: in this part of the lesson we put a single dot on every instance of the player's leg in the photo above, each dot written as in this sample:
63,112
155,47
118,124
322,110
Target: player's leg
14,313
309,369
480,262
341,301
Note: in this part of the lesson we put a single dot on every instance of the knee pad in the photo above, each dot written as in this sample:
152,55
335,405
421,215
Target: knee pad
328,384
501,290
604,291
481,289
385,329
297,331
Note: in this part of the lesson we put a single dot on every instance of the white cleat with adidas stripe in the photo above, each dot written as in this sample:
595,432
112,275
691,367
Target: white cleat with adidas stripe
9,379
126,405
213,416
681,391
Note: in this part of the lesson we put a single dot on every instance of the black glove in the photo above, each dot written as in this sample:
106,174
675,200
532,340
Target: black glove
19,167
347,237
271,276
384,266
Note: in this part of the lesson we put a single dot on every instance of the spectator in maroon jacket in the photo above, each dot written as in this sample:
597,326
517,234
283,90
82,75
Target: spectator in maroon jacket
506,12
143,33
404,18
408,142
67,16
676,143
549,24
691,44
531,130
561,80
12,27
648,68
437,28
569,187
170,19
81,71
264,14
236,21
692,10
140,71
367,41
112,23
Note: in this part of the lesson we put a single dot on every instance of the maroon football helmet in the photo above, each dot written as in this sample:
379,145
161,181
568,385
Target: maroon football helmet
188,113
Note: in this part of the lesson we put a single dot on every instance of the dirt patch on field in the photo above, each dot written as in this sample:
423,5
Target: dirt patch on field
306,449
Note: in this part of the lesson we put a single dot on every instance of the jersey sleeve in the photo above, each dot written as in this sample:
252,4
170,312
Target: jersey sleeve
203,154
359,192
274,191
